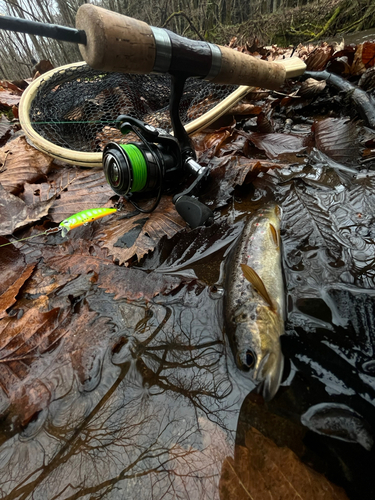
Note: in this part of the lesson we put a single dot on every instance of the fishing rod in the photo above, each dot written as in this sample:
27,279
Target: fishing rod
111,42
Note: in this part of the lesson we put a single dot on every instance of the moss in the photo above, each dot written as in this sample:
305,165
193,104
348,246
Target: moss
300,24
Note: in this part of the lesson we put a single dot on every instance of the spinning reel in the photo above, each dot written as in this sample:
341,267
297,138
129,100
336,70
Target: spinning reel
157,164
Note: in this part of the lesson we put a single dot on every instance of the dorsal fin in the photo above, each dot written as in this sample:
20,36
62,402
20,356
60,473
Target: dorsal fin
275,236
257,283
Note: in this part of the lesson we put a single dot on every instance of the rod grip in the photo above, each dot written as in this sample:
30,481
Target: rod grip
115,42
242,69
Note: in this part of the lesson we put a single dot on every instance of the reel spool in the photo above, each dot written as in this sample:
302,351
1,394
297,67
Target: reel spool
157,164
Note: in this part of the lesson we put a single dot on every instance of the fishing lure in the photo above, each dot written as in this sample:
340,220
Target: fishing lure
83,218
79,219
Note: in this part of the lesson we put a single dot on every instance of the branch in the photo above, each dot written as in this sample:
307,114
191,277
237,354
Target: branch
23,10
182,14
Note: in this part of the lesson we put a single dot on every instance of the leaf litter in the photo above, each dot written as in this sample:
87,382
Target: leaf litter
72,309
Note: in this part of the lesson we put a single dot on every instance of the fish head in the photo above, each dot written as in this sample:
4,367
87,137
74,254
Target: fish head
257,351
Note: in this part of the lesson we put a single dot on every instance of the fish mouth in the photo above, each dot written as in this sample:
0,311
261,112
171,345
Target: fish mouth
269,374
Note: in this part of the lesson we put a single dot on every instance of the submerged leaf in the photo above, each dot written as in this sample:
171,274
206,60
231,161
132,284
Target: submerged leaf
131,238
306,219
337,138
262,471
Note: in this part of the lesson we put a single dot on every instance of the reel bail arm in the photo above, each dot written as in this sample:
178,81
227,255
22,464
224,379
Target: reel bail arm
189,207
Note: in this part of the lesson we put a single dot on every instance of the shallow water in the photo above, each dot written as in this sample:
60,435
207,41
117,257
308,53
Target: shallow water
156,417
162,404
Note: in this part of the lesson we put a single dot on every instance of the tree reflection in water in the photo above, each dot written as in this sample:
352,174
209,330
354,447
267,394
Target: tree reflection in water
155,420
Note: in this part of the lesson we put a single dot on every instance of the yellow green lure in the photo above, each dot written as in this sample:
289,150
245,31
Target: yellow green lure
76,220
83,218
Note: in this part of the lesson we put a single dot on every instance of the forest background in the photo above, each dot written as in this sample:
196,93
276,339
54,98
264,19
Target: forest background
282,22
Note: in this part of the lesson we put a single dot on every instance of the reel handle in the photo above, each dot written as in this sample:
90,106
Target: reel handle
193,211
123,44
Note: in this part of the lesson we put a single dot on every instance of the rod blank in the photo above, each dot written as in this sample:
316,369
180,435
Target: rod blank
54,31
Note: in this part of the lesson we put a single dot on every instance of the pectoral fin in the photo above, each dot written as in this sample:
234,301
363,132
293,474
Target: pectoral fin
257,283
275,236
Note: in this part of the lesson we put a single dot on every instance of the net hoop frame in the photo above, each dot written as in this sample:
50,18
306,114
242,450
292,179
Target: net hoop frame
94,160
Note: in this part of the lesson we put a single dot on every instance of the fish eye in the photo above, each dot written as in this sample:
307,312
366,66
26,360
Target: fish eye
250,359
244,316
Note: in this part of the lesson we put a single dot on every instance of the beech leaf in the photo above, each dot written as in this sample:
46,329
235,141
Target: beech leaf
337,138
8,298
15,214
22,163
131,239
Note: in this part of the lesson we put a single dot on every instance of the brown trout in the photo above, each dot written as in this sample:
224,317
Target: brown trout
254,300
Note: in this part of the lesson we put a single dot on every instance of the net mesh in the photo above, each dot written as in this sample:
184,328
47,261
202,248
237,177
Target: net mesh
77,108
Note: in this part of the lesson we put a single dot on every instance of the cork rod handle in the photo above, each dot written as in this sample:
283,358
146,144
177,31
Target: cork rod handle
123,44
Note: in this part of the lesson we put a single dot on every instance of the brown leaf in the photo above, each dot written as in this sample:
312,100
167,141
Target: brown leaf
22,163
131,239
5,130
134,284
311,88
78,255
15,214
36,332
317,60
364,58
336,137
244,108
276,145
8,298
77,190
43,66
10,94
12,265
262,470
213,140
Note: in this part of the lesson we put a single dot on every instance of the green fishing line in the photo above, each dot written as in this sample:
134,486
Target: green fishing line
138,164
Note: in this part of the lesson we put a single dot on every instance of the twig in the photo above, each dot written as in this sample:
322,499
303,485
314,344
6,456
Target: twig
182,14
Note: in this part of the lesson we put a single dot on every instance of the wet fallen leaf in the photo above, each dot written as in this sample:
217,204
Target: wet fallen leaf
317,60
276,145
311,88
8,298
80,257
337,138
244,108
10,94
22,163
231,171
262,470
5,131
131,239
364,58
15,213
75,189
